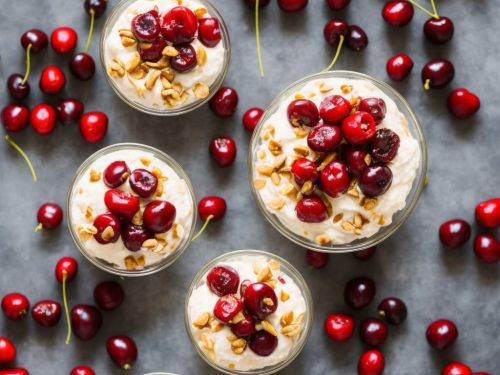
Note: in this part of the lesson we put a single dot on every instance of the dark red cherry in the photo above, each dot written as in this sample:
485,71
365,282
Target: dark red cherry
375,180
152,51
456,368
185,60
303,112
213,207
108,295
15,117
385,145
43,118
262,3
335,179
37,38
99,7
52,80
223,280
439,30
159,216
437,73
365,254
93,126
359,292
133,236
324,138
311,210
454,233
338,4
15,306
245,327
356,39
487,248
121,203
143,182
339,327
463,103
7,352
333,30
304,170
86,320
122,351
373,332
17,88
251,118
179,25
399,67
49,215
263,343
375,107
108,228
334,108
116,174
260,300
209,31
82,370
224,102
146,26
46,313
371,362
82,66
398,13
69,110
227,307
292,5
63,40
316,259
356,158
223,150
393,310
358,128
441,334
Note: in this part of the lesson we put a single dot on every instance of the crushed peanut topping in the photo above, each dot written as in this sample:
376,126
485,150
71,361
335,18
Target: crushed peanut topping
94,176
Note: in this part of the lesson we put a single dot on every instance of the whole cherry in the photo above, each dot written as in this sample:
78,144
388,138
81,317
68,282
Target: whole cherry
93,126
179,25
339,327
334,30
456,368
122,203
311,210
36,38
82,370
209,32
133,236
358,128
15,306
52,80
454,233
304,170
462,103
63,40
14,371
65,271
7,351
437,73
260,300
251,118
46,313
292,5
223,280
371,362
109,295
487,213
43,118
441,334
69,110
338,4
224,102
334,108
375,180
399,66
108,228
487,248
316,259
439,30
82,66
15,117
18,87
376,107
245,327
223,150
398,13
86,321
122,351
356,38
211,208
98,6
227,307
393,310
334,179
359,292
365,254
159,216
324,138
49,216
303,112
263,343
116,174
373,332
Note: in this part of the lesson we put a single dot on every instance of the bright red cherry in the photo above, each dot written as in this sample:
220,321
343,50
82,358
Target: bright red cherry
116,174
488,213
375,180
339,327
456,368
82,66
333,30
133,236
359,292
437,73
292,5
15,117
441,334
7,351
487,248
82,370
209,31
462,103
398,13
223,280
37,38
146,26
122,351
334,108
86,321
371,362
304,170
375,107
373,332
399,66
393,310
260,300
251,118
69,110
63,40
43,118
303,112
143,182
227,307
245,327
311,210
46,313
109,295
263,343
65,271
49,216
358,128
93,126
14,371
335,179
52,80
365,254
99,7
108,228
224,102
179,25
159,216
15,306
223,150
356,38
122,203
439,30
338,4
454,233
316,259
185,59
212,207
385,145
17,87
324,138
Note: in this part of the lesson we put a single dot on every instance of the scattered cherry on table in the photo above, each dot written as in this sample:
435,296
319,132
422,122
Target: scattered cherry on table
373,332
82,66
93,126
49,216
224,102
316,259
441,334
398,13
365,254
52,80
333,30
439,30
18,87
86,321
46,313
399,66
487,248
223,150
339,327
43,118
109,295
15,306
15,117
359,292
7,351
356,38
69,110
98,6
371,362
65,271
251,118
292,5
63,40
454,233
462,103
487,213
456,368
122,351
211,208
82,370
437,73
393,309
338,4
36,38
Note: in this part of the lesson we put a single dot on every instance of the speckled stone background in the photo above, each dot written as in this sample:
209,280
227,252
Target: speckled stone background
464,161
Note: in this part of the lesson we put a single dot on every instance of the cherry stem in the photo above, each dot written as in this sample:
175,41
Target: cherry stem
427,84
23,154
65,302
39,227
91,31
28,64
434,9
210,217
257,38
337,54
433,15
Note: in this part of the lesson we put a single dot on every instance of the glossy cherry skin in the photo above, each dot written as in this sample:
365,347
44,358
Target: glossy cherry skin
339,327
224,102
109,295
37,38
358,128
393,310
438,73
146,26
371,362
17,89
334,179
488,213
334,108
356,39
99,7
255,298
14,371
439,30
82,370
116,174
185,60
46,313
86,320
399,67
93,126
263,343
179,25
316,259
152,51
487,248
303,112
333,30
102,223
69,110
373,332
375,180
159,216
462,103
304,170
251,118
292,5
227,307
143,182
66,266
385,145
7,351
454,233
456,368
82,66
122,351
15,306
365,254
212,206
245,327
63,40
223,150
356,159
375,107
398,13
359,292
324,138
209,32
338,4
52,80
223,280
122,203
311,210
262,3
133,236
43,118
50,215
15,117
441,334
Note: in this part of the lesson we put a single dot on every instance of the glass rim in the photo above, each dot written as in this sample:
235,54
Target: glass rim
411,199
297,278
214,87
156,267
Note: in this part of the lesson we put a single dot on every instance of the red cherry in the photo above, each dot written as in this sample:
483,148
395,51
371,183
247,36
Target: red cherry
356,38
146,26
46,313
43,118
324,138
223,150
488,213
304,170
251,118
108,228
399,67
456,368
52,80
17,87
303,112
338,4
82,370
385,145
15,306
122,203
260,300
393,310
441,334
109,295
311,210
263,343
86,321
356,158
359,292
227,307
15,117
375,180
123,351
339,327
7,351
365,254
371,362
213,207
454,233
439,30
292,5
93,126
245,327
334,108
334,179
66,269
223,280
333,30
437,73
179,25
316,259
358,128
63,40
69,110
462,103
37,38
487,248
49,216
224,102
14,371
373,332
99,7
152,51
82,66
398,13
209,31
375,107
133,236
143,182
185,60
116,174
159,216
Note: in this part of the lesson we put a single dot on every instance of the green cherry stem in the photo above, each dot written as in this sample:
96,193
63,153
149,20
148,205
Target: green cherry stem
337,54
427,84
65,302
434,9
433,15
23,154
204,225
257,39
91,31
28,64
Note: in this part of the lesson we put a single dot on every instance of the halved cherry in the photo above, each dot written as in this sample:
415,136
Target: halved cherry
116,174
143,182
108,228
159,216
223,280
304,170
260,300
385,145
133,236
209,32
121,203
152,51
227,307
335,179
358,128
185,60
375,107
324,138
146,26
334,108
179,25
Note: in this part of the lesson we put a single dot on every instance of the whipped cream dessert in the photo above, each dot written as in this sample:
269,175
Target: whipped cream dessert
164,54
352,208
116,224
246,313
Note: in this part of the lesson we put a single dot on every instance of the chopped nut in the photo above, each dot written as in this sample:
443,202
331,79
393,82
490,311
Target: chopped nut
200,12
202,320
280,161
265,170
134,62
268,302
231,365
307,188
370,203
138,89
150,244
215,326
238,318
276,204
140,72
130,263
338,217
368,159
175,231
207,342
284,296
268,327
300,132
348,226
322,239
128,42
170,51
298,96
201,90
89,214
201,56
274,264
137,219
286,318
126,32
94,176
108,233
286,189
353,191
346,89
262,154
272,283
264,274
275,178
301,150
381,220
325,87
231,338
291,330
274,145
168,74
327,160
259,184
153,77
145,161
358,221
238,346
163,63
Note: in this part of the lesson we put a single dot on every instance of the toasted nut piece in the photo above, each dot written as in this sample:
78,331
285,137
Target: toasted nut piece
141,261
286,189
265,170
258,327
264,274
276,204
108,233
126,32
280,161
300,132
130,263
307,188
140,72
200,12
381,220
231,365
238,345
286,318
274,145
201,90
301,150
153,77
370,203
215,326
90,229
163,63
202,320
89,214
322,239
358,221
348,226
94,176
170,51
346,89
231,338
238,318
128,42
291,330
134,62
298,96
168,74
284,296
268,327
207,342
368,159
268,302
150,243
327,160
275,178
274,264
201,56
272,283
145,161
325,87
259,183
353,192
262,154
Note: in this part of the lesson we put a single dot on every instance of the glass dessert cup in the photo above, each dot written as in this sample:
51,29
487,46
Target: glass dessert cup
164,111
298,342
108,266
398,217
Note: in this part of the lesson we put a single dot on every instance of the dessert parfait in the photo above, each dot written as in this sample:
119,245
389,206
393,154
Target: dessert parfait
131,209
165,57
338,161
248,312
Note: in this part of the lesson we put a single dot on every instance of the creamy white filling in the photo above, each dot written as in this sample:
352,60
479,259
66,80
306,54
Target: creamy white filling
203,300
87,194
206,73
403,167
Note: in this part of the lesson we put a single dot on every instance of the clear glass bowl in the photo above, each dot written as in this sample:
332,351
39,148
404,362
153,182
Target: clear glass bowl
111,20
286,268
102,264
397,219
